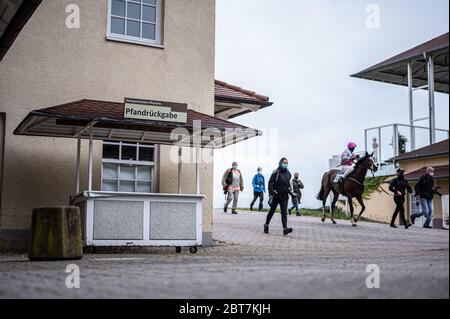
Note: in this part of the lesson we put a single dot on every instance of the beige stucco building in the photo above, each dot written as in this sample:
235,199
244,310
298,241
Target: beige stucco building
380,206
106,50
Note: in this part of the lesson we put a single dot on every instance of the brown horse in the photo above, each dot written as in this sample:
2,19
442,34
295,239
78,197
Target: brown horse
353,187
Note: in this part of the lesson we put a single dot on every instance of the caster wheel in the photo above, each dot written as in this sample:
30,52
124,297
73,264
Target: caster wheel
193,250
178,250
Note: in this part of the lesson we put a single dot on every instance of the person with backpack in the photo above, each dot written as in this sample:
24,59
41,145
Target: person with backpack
279,191
297,187
259,188
233,184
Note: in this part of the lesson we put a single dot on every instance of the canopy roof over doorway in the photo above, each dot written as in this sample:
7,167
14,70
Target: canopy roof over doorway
105,121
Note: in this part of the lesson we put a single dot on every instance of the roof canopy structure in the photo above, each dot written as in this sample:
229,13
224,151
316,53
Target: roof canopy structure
433,150
233,101
101,120
395,70
14,14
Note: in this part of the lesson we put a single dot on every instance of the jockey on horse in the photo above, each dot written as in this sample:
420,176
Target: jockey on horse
348,161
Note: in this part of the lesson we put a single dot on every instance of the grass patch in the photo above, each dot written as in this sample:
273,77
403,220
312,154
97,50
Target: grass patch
338,214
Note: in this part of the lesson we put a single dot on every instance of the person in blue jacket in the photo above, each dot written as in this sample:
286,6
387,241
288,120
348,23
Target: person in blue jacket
259,188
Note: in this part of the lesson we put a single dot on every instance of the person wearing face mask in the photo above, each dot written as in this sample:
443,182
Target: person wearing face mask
233,184
297,187
259,188
279,190
399,186
425,191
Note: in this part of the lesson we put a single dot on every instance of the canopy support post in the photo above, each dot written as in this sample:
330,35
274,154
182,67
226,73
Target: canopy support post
431,100
379,145
411,107
90,160
180,153
197,167
78,165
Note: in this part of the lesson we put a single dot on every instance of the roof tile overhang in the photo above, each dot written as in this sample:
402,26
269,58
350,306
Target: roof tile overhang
76,119
433,150
233,101
16,23
394,69
440,172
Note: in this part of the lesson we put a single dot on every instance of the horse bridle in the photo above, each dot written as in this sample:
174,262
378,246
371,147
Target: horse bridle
370,169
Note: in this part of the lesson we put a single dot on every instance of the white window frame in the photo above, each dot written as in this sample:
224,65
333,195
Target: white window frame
135,163
137,40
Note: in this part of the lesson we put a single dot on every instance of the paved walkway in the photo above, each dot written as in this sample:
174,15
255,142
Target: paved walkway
316,261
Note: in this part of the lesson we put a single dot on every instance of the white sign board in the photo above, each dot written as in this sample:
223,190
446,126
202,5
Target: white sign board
155,111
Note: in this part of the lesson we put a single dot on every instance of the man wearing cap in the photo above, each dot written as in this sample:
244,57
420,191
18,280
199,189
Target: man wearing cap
233,184
399,186
425,191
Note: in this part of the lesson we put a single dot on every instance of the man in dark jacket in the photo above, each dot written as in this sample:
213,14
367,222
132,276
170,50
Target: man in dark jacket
297,187
279,190
425,191
400,186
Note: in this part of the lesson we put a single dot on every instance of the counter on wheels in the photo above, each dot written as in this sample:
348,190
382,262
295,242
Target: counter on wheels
137,219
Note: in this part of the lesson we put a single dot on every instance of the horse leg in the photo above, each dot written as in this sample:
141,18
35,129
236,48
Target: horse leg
333,205
324,202
363,207
350,204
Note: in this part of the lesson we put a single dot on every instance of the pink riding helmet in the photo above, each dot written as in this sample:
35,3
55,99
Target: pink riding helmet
351,145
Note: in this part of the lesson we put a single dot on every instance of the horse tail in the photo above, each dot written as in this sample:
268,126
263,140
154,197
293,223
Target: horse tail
321,194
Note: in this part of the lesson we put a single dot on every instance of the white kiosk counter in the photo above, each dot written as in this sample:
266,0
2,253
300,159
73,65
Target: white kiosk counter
137,219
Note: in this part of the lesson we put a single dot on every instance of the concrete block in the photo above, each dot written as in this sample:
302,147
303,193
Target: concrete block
56,234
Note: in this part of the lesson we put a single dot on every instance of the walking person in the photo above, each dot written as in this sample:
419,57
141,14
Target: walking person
233,184
400,187
425,191
279,190
297,187
259,188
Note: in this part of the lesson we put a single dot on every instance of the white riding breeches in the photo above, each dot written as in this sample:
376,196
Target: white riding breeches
347,170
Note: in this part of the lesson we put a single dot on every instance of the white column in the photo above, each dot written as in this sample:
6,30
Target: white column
179,171
90,159
431,100
379,145
411,107
395,141
78,165
197,168
365,141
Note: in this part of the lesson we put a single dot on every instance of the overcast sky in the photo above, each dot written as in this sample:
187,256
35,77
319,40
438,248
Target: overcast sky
300,53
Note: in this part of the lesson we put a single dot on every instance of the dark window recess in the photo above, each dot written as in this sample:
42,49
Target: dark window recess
129,153
146,154
111,151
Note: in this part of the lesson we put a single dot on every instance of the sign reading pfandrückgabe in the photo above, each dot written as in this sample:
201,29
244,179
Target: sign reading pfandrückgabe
155,111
